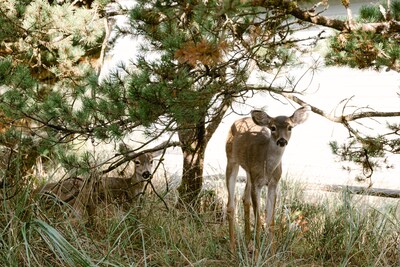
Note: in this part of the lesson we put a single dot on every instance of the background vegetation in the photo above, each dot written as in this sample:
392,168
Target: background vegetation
52,105
341,230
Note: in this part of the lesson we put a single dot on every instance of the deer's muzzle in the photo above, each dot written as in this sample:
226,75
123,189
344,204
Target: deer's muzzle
146,174
281,142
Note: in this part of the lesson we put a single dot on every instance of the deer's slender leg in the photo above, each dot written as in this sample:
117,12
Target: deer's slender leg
270,218
231,174
255,197
246,205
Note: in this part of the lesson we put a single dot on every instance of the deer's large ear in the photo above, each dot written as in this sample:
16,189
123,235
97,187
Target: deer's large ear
260,117
157,153
300,115
123,148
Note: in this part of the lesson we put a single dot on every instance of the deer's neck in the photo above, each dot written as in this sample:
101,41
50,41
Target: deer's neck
137,179
273,157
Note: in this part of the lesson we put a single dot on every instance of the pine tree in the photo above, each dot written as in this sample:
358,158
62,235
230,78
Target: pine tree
202,50
193,64
47,49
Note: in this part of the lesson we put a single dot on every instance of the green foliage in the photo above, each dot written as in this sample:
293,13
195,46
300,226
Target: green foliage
369,152
371,13
366,49
46,76
52,40
15,76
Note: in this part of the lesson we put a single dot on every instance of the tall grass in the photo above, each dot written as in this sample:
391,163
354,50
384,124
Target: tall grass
337,231
341,230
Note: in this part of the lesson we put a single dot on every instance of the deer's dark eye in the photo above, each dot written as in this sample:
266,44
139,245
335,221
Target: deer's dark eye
151,162
137,162
290,128
272,128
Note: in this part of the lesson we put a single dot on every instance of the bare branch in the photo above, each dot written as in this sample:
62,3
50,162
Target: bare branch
217,118
337,24
344,118
306,15
128,156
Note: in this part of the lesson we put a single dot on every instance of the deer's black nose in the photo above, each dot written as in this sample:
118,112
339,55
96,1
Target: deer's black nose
146,174
282,142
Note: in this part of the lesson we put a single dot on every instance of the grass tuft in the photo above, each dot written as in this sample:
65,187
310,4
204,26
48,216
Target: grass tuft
339,230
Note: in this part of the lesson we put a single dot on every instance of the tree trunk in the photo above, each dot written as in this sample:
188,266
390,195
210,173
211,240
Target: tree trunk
194,139
193,147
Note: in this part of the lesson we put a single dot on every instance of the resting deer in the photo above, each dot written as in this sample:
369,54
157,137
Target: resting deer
125,190
257,145
118,190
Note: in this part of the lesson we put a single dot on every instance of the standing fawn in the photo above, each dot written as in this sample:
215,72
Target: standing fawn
257,145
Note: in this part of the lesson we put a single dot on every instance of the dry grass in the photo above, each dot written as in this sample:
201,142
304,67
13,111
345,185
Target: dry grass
325,233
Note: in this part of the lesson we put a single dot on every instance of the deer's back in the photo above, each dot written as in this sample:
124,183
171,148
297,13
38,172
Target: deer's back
66,190
119,189
249,146
245,139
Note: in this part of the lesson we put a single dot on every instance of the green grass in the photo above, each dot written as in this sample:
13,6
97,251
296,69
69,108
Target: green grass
339,231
